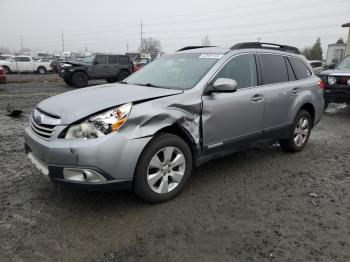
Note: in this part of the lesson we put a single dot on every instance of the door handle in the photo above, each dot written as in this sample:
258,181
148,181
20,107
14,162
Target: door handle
257,98
295,90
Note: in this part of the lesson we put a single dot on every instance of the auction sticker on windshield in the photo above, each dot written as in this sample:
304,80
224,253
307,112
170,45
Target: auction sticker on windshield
216,56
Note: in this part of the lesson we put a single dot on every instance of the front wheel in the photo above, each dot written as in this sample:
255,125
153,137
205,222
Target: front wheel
299,134
7,70
163,169
80,79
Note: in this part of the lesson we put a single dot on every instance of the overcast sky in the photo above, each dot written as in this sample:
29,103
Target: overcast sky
109,25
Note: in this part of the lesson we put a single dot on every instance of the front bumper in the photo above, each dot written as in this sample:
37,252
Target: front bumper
114,157
337,94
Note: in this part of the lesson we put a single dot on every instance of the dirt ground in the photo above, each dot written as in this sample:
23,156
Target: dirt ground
258,205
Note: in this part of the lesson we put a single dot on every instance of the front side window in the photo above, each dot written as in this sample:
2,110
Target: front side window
300,69
100,59
344,64
177,71
274,69
242,69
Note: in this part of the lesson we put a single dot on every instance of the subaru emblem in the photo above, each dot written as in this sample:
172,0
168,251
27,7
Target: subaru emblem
37,119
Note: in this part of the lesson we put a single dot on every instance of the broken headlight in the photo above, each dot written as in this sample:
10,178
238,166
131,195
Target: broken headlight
101,124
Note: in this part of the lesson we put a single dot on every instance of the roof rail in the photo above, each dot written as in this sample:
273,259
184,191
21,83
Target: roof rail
286,48
194,47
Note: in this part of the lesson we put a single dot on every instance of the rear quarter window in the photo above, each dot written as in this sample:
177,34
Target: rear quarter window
300,69
274,69
124,60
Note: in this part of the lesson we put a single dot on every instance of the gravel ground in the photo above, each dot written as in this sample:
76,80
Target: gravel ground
258,205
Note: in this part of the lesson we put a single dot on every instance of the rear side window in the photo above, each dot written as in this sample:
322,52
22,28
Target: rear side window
113,59
274,69
291,75
300,69
124,60
241,68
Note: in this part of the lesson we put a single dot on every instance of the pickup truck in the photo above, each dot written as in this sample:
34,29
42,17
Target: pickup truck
25,64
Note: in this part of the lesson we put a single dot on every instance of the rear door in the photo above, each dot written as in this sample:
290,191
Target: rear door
113,65
278,87
230,118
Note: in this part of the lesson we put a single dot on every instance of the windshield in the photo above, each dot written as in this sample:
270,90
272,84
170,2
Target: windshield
344,64
87,60
178,71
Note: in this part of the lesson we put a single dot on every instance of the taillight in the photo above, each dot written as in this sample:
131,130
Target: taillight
321,84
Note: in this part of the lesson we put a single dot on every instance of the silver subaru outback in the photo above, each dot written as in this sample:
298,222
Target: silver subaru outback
149,131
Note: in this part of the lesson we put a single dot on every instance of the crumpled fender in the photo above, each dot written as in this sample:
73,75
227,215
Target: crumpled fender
149,117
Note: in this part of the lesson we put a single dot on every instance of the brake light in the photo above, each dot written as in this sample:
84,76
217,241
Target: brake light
321,84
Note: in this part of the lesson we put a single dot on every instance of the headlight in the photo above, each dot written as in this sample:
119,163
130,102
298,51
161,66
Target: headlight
331,80
101,124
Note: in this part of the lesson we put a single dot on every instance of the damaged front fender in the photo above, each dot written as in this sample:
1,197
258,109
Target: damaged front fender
148,118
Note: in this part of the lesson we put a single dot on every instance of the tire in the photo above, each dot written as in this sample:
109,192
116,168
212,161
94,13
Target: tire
165,174
41,70
7,70
68,82
80,79
123,75
299,133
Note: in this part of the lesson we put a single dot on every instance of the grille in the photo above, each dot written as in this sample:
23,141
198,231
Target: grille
342,80
43,124
44,131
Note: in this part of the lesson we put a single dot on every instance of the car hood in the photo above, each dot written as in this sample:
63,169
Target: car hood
75,105
336,72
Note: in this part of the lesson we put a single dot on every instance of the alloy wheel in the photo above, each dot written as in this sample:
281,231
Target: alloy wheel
166,169
301,131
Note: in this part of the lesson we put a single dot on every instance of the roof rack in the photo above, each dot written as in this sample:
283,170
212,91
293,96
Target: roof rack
194,47
286,48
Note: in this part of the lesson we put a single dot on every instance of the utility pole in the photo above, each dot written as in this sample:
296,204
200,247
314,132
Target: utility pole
127,47
62,42
21,43
141,46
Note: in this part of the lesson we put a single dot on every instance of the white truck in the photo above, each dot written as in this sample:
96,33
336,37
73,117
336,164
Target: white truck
24,63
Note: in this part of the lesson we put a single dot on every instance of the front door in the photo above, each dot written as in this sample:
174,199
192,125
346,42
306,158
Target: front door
100,68
237,116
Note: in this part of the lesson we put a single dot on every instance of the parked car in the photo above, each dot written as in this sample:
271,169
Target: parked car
149,131
2,76
5,57
337,83
23,63
140,63
317,66
113,68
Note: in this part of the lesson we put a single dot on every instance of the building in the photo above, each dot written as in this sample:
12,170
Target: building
347,50
335,52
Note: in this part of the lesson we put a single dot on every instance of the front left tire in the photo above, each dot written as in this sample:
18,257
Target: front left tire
41,70
163,169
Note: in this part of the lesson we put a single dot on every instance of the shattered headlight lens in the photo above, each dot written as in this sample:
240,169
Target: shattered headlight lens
101,124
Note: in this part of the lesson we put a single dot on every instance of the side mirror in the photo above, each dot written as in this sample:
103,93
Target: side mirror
95,62
224,85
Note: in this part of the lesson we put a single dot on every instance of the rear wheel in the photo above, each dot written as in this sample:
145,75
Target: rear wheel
123,75
80,79
299,134
163,169
41,70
